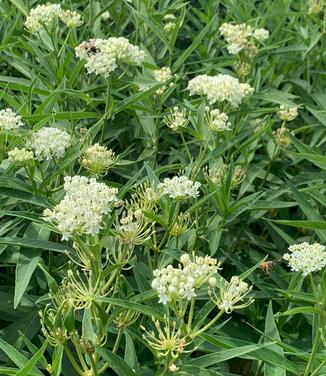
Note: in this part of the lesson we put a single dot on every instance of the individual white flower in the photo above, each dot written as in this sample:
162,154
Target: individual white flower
220,88
71,18
306,258
98,159
179,187
174,284
231,294
49,143
217,121
20,156
178,118
288,113
9,119
42,15
82,209
103,56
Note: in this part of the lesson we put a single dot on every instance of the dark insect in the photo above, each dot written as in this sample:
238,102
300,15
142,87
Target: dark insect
90,48
267,266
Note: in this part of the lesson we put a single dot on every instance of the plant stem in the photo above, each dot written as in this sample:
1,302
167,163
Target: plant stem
207,326
72,360
117,341
191,313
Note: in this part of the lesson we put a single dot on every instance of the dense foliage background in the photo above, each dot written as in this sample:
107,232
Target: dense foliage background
277,199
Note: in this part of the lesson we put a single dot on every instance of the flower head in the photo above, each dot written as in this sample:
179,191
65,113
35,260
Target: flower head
217,121
98,159
231,294
103,56
9,119
288,113
42,15
71,18
20,156
179,187
177,119
220,88
306,258
173,284
82,209
49,143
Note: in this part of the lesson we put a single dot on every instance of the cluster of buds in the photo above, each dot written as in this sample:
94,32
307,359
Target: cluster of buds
52,325
218,175
177,119
97,159
217,121
163,75
175,284
169,23
288,113
20,157
232,293
281,137
315,6
144,199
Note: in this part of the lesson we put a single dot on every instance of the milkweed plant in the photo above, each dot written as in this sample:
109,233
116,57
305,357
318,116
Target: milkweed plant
162,188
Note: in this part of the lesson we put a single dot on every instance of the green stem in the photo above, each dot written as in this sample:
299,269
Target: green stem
207,326
117,341
186,146
191,314
72,360
93,366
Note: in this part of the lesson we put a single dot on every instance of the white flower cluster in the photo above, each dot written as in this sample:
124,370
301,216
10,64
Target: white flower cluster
162,75
20,156
98,159
239,37
217,121
288,113
49,143
179,187
9,119
45,15
178,118
220,88
71,18
103,55
173,284
82,209
306,258
232,293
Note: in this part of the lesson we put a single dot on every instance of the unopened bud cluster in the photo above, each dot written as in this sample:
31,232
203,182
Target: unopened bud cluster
174,284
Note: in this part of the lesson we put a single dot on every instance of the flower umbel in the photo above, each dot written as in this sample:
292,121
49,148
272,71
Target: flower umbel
82,209
177,119
98,159
49,143
179,187
220,88
306,258
231,294
9,119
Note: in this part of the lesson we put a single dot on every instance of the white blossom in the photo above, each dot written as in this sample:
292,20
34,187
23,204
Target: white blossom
49,143
288,113
71,18
173,284
178,118
217,121
42,15
9,119
98,159
220,88
82,209
306,258
103,56
162,75
179,187
231,294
